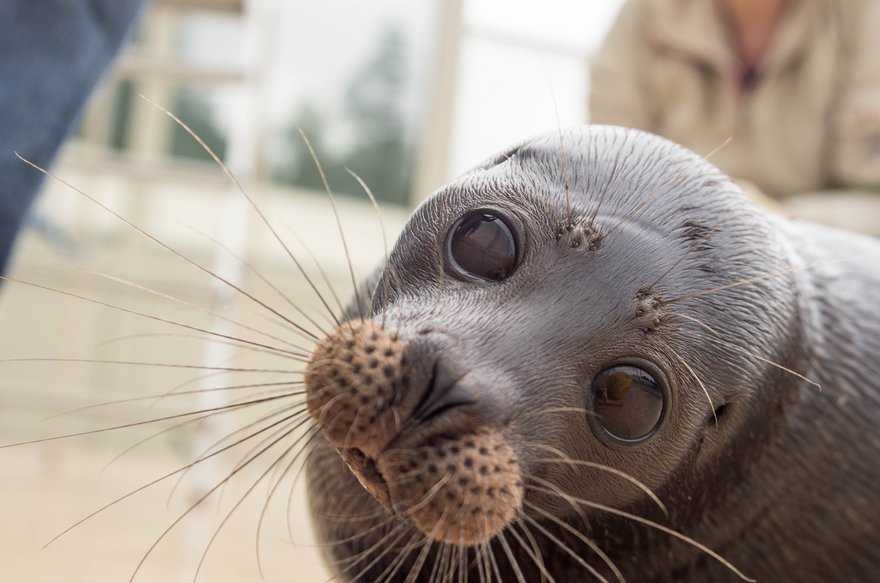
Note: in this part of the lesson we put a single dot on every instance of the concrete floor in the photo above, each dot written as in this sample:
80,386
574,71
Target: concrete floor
46,487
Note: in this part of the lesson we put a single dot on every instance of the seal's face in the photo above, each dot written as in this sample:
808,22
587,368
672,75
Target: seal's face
517,357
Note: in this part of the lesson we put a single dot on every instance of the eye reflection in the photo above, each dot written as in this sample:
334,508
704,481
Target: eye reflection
628,402
482,245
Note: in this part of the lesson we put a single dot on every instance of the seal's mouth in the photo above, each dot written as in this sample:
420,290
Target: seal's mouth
368,474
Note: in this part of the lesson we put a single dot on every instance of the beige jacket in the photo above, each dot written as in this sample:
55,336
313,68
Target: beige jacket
810,125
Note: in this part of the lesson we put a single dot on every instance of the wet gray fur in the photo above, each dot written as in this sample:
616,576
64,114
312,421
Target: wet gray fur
784,486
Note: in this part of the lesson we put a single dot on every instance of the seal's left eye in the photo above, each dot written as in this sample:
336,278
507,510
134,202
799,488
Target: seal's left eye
482,245
628,401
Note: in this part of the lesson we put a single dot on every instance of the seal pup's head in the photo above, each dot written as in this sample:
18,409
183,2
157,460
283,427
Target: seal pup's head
559,337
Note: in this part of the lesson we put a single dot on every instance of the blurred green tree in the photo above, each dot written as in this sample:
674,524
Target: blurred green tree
380,150
301,171
121,125
196,112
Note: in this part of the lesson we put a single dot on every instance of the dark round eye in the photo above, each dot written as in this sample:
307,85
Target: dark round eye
482,245
628,402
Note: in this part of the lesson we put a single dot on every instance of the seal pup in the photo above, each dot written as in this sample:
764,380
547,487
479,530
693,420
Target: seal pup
593,358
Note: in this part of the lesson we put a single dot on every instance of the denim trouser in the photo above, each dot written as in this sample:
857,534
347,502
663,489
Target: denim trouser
52,53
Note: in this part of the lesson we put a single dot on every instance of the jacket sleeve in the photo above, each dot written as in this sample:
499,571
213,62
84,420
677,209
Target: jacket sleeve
855,133
618,80
852,199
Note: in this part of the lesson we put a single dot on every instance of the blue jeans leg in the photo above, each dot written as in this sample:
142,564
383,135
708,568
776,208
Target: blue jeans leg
52,54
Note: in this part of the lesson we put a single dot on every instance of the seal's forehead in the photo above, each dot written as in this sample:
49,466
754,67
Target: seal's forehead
593,143
588,151
617,168
502,182
578,157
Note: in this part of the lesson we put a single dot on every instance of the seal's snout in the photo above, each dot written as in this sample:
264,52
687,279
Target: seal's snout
399,415
442,392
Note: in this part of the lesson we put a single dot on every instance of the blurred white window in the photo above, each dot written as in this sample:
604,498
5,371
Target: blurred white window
520,64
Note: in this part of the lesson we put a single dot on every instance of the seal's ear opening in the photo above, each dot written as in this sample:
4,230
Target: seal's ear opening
628,401
715,417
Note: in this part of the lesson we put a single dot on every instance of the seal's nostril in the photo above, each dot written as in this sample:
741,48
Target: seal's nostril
443,391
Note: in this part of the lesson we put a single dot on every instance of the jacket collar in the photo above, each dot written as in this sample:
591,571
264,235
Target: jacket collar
698,30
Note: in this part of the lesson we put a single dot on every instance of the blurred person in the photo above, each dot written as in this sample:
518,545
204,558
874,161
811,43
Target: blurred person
52,54
794,83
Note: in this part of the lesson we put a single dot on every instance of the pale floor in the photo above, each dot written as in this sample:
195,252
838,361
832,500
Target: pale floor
47,487
44,488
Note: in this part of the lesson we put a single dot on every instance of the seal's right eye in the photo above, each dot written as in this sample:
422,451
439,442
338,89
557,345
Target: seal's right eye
482,245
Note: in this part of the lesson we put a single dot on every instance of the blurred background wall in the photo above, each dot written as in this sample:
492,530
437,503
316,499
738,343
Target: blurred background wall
406,94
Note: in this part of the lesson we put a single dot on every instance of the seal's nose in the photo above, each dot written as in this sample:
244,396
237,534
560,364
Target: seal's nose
444,390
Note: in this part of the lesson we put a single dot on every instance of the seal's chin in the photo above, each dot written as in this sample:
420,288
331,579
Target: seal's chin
462,490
